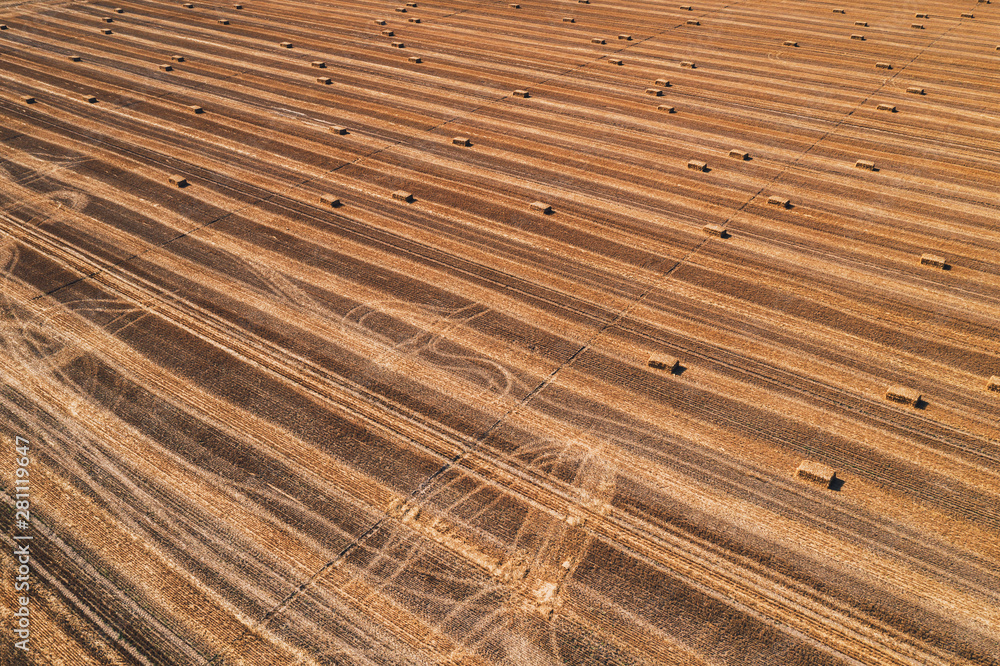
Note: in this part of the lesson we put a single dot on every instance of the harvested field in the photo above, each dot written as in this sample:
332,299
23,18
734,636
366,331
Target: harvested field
479,361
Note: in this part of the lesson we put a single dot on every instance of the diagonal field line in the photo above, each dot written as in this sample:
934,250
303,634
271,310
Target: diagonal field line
658,284
425,486
844,119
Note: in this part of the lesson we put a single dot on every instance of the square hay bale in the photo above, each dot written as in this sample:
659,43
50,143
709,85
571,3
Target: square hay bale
903,395
177,58
74,58
388,33
105,31
178,181
402,195
865,164
863,24
816,473
915,91
655,92
663,83
329,200
693,22
3,26
666,109
739,154
686,8
788,42
196,109
285,45
106,19
188,5
583,2
627,38
28,100
411,4
398,45
223,21
695,165
541,207
934,260
415,59
379,22
324,80
237,6
414,19
968,16
715,230
839,11
662,362
687,63
337,129
614,61
921,16
401,10
569,19
166,68
90,99
461,141
858,37
886,107
318,63
521,93
775,200
514,5
993,384
597,40
119,10
918,26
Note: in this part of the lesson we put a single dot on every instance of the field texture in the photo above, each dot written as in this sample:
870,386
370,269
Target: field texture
306,377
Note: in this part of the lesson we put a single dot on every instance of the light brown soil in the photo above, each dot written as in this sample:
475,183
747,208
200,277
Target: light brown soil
265,430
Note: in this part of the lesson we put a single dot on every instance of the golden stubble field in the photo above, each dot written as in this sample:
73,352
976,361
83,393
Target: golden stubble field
326,332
